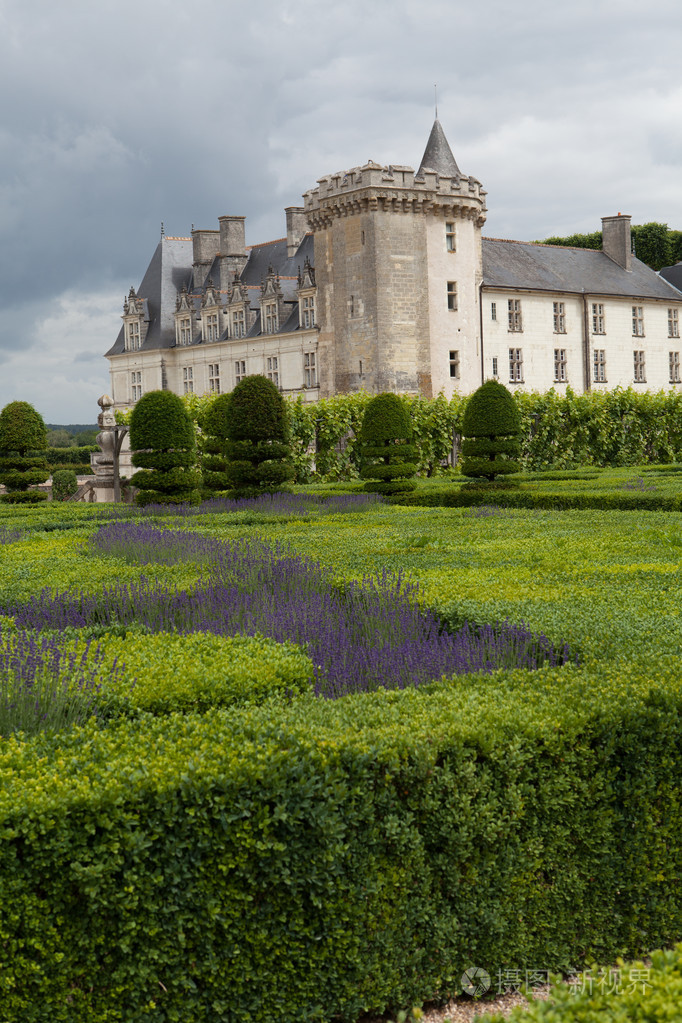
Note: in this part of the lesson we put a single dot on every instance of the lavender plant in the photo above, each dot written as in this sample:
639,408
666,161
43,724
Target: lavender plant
47,683
360,635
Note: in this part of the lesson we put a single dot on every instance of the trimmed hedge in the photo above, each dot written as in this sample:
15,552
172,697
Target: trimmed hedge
163,443
316,860
466,497
491,426
257,429
388,458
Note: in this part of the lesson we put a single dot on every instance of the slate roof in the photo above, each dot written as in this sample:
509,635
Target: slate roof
673,274
438,155
531,266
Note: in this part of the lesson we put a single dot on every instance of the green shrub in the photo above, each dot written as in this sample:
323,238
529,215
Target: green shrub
257,452
22,430
64,484
214,459
491,428
163,442
388,457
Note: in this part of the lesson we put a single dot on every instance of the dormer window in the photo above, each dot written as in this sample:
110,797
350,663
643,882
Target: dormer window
238,323
308,311
133,342
184,330
211,331
270,318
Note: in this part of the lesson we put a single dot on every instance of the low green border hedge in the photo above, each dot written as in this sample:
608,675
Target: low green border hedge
463,498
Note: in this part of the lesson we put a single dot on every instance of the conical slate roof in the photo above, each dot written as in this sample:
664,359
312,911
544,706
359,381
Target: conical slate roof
438,155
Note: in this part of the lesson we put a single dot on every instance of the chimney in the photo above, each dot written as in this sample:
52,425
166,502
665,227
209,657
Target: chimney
232,246
297,225
205,246
616,241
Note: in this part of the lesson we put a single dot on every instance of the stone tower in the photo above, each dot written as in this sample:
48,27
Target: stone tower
398,268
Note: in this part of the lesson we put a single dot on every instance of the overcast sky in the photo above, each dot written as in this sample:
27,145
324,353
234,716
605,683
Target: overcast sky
119,115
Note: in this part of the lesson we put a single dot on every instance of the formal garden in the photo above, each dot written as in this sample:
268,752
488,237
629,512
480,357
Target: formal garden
315,754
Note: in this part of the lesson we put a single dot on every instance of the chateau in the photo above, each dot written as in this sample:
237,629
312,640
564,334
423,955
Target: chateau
385,283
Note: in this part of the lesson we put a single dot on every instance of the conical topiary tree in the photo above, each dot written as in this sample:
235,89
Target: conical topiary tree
164,451
214,460
23,438
387,455
491,427
257,430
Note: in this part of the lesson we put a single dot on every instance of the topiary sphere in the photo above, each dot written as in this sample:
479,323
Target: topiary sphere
256,411
385,418
22,428
491,412
161,422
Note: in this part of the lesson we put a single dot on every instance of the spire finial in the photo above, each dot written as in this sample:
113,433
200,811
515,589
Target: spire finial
435,99
162,230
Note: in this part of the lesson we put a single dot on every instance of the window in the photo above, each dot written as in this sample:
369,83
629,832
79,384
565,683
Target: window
637,321
273,370
239,371
309,369
598,319
454,365
515,365
559,365
493,310
673,323
452,295
308,312
270,317
674,359
214,378
640,368
133,332
136,383
559,318
212,327
185,331
450,237
188,380
514,313
238,323
495,373
599,366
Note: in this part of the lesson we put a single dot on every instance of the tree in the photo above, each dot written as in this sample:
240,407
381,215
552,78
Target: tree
653,245
164,451
388,456
214,461
257,430
23,435
491,428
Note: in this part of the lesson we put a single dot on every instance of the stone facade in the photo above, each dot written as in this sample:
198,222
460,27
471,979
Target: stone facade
385,283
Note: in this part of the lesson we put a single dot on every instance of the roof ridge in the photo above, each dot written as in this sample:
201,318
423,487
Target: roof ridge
545,245
259,245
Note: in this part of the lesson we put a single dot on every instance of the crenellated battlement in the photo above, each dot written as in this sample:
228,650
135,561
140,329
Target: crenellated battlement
393,189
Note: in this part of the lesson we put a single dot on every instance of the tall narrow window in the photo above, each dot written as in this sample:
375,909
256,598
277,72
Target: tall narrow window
514,314
273,370
639,367
599,366
559,318
239,371
214,378
310,369
673,323
271,325
238,324
308,311
598,322
454,365
188,380
212,327
450,237
674,360
515,365
637,321
136,385
559,365
493,310
452,295
495,373
185,331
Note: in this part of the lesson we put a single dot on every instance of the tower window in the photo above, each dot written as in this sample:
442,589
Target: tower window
450,237
495,373
493,310
452,295
454,365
